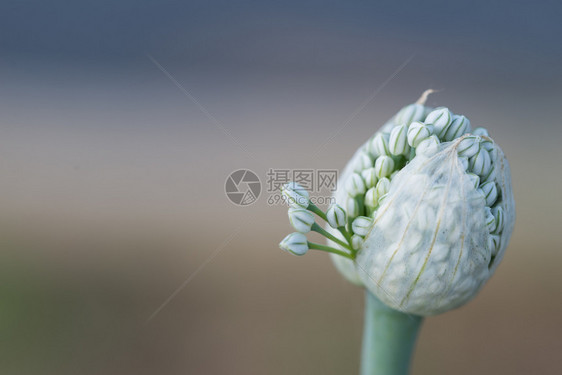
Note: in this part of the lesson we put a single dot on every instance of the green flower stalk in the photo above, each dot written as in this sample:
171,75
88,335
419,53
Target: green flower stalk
428,214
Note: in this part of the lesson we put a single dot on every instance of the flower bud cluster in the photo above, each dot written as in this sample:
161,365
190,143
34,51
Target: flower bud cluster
302,217
415,129
484,169
423,216
481,219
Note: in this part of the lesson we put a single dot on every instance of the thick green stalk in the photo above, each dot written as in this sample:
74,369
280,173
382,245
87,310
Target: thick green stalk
389,337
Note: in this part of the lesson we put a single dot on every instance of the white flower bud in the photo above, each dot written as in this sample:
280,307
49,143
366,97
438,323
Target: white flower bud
410,113
355,185
481,132
487,144
297,188
352,207
490,192
379,144
417,132
382,198
428,147
364,161
440,118
498,214
474,180
301,219
336,216
429,248
371,198
469,146
494,244
459,126
361,225
480,163
295,243
384,166
490,220
356,242
491,176
382,187
370,177
398,141
295,195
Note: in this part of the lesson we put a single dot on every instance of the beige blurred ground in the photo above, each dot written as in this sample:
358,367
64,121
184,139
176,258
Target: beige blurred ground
102,222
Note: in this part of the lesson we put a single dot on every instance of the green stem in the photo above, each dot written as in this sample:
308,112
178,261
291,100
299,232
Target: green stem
313,208
317,228
346,234
412,153
328,249
361,206
389,337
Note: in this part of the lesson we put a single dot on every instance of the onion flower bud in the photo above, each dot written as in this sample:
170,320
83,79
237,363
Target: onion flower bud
490,192
357,241
379,145
441,119
459,126
382,187
295,243
301,219
372,198
352,208
398,141
474,179
295,195
384,166
409,114
469,146
498,215
428,147
362,225
370,177
336,216
417,132
363,162
481,163
355,185
490,220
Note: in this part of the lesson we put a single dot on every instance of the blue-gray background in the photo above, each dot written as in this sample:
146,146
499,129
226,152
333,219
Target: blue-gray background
120,122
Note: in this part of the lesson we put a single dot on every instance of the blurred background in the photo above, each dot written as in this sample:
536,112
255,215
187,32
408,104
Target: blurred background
121,121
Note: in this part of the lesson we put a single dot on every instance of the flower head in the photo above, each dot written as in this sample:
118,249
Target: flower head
442,211
426,212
